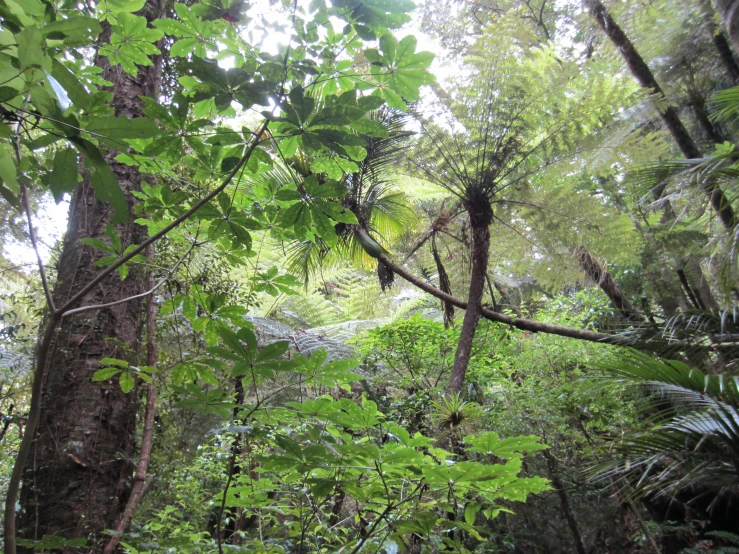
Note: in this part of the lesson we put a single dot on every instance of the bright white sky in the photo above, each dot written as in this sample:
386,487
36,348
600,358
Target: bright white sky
51,220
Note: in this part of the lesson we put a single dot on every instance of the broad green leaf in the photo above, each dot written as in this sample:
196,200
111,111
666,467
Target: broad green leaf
126,381
8,172
103,181
470,512
63,177
30,48
337,212
76,92
105,373
272,351
114,361
112,130
76,30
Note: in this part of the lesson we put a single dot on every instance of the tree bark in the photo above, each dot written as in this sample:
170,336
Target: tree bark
603,279
720,43
518,323
444,284
79,477
712,133
726,56
481,215
729,12
147,436
643,74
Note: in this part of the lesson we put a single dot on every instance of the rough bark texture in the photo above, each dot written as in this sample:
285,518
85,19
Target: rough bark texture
727,58
712,133
729,12
481,216
697,289
147,436
78,477
643,74
603,279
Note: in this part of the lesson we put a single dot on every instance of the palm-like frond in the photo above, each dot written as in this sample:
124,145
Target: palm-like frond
371,195
692,445
688,176
706,335
726,105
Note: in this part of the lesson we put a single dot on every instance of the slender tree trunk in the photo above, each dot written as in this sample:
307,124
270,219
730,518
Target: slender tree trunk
720,43
726,56
607,284
506,300
729,12
564,501
481,215
712,133
444,284
79,474
643,74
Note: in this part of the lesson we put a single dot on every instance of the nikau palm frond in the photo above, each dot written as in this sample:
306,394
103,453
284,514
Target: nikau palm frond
706,335
692,446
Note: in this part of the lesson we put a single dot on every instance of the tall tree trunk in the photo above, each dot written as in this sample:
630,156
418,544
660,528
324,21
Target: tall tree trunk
147,436
643,74
712,132
726,56
607,284
721,44
78,477
729,12
481,216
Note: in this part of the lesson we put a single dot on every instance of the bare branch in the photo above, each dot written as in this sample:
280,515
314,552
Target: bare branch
519,323
34,243
152,290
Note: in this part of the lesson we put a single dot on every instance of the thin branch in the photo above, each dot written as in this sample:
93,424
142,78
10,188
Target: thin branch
176,223
151,291
34,243
42,353
147,439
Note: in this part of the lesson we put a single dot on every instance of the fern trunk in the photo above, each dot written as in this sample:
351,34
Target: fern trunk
729,12
607,284
644,75
481,216
445,284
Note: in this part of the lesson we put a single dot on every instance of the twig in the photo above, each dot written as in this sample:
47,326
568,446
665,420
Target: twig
147,438
34,243
176,223
152,290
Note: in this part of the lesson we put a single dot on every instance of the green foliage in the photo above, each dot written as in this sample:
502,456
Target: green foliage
300,152
691,435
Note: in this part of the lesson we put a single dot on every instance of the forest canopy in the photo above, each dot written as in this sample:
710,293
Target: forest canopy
369,276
